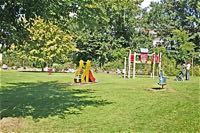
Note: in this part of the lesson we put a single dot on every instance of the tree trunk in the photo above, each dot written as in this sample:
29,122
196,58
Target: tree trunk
42,66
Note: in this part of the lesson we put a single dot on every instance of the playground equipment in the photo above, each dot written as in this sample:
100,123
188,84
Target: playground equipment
162,79
143,56
84,76
50,70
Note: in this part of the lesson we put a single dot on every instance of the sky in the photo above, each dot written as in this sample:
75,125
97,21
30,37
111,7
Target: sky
146,3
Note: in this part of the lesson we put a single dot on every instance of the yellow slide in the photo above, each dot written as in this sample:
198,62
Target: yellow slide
77,78
84,76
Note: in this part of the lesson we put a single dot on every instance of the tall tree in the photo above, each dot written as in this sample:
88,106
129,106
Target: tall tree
107,25
177,22
168,15
12,28
47,43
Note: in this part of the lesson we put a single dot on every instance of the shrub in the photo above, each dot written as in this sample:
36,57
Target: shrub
196,70
142,69
169,66
112,66
65,66
58,67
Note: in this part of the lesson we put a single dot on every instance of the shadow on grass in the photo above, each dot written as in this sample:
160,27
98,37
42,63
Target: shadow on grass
157,88
44,99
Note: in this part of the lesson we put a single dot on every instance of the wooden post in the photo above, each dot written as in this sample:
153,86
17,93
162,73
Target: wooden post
125,67
134,64
153,66
160,63
129,64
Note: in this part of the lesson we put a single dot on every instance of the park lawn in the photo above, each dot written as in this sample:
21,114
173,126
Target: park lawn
38,102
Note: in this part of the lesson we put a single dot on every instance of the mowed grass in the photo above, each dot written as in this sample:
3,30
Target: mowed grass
50,103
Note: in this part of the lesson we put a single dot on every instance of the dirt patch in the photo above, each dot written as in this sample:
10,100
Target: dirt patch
156,89
11,125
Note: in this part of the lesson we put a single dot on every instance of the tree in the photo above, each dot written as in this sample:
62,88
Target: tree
13,30
184,48
106,26
168,15
177,23
47,43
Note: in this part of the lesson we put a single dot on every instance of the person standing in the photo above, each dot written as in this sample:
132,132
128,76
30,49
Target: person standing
188,71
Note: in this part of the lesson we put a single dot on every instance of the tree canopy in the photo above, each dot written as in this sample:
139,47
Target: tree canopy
48,31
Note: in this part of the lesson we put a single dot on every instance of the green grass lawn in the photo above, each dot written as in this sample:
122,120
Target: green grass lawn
38,102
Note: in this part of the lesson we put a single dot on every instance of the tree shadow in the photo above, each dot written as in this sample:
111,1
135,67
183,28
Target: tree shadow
43,99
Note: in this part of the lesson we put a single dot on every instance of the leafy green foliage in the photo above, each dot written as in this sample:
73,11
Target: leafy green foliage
196,70
113,66
169,66
47,43
12,12
100,29
184,48
104,28
177,22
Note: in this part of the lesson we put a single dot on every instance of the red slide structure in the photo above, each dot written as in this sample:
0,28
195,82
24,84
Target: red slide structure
91,77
